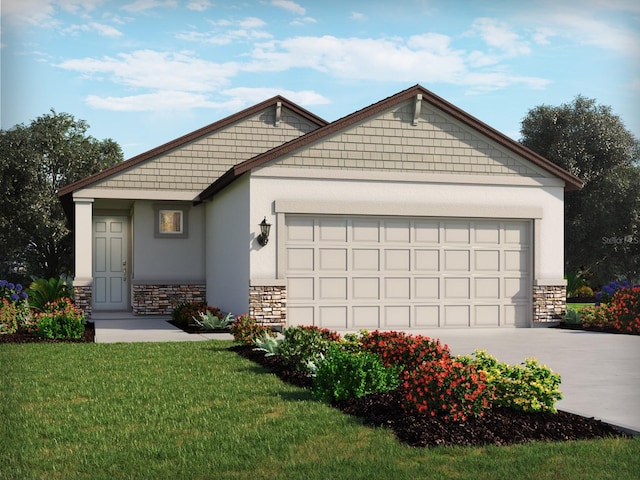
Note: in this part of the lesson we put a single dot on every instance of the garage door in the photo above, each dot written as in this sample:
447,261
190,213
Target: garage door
404,273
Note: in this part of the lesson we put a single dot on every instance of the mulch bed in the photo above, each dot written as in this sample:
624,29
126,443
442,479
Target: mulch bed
196,329
578,326
20,337
498,426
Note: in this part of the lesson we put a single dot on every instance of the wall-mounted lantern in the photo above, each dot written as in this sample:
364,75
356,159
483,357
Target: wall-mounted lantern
265,227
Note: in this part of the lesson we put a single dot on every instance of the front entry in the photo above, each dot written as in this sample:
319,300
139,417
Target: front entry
110,282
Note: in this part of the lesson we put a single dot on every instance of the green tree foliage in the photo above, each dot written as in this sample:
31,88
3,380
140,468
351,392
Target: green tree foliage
36,161
601,220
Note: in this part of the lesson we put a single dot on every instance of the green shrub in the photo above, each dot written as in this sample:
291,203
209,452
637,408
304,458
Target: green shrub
209,321
341,375
43,291
600,316
304,346
61,320
572,317
247,330
446,387
621,314
184,313
584,291
9,313
529,387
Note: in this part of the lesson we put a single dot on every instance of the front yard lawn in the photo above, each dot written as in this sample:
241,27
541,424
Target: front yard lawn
197,410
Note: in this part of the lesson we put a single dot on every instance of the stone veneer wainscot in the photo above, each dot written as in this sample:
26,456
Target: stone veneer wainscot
549,303
163,298
268,304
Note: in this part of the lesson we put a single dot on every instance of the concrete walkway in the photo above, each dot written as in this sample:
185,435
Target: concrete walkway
600,372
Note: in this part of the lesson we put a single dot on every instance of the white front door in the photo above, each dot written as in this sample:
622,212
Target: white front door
110,269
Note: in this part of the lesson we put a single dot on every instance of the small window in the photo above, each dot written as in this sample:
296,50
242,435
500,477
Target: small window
170,222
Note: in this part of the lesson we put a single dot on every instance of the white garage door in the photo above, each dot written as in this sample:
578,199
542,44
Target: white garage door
404,273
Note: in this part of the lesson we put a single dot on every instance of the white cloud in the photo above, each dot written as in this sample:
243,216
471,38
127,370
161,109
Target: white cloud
248,29
42,12
101,29
165,100
144,5
199,5
289,6
157,70
498,35
298,22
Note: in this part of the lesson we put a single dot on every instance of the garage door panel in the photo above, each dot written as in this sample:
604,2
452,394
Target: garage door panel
427,260
457,315
403,273
332,259
457,288
427,232
366,316
397,231
332,289
367,231
427,316
397,316
486,315
427,288
516,288
487,233
299,288
487,288
366,288
397,260
303,315
457,232
365,260
333,317
397,288
333,230
300,229
486,260
457,261
300,259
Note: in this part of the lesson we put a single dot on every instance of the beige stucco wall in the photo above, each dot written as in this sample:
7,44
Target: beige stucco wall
167,260
230,234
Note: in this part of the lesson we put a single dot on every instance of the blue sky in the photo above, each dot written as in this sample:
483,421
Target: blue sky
144,72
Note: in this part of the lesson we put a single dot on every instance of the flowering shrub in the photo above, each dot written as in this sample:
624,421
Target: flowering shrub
13,307
607,292
408,351
302,347
184,313
342,374
42,291
584,291
621,314
60,319
247,330
446,387
529,387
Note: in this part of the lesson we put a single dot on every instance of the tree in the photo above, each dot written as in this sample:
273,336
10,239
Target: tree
602,233
36,161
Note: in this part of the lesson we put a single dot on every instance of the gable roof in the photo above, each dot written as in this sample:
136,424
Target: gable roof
571,181
190,137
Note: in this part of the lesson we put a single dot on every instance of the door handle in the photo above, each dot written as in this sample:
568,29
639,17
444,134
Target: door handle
124,270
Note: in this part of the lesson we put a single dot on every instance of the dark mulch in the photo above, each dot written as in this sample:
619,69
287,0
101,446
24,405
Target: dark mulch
21,337
196,329
579,326
498,426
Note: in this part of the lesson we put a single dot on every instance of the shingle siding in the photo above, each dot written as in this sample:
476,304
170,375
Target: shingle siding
390,142
196,165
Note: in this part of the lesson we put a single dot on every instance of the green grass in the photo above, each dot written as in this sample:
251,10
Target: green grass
579,306
197,411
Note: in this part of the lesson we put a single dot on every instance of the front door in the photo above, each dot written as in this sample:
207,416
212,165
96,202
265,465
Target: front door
110,269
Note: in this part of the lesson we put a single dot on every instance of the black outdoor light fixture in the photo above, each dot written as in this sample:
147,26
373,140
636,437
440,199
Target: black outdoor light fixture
263,238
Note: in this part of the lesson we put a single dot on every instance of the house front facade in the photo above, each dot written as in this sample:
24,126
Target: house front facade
406,214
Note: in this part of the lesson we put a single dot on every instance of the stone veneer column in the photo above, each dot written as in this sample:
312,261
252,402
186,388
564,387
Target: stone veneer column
268,303
82,299
161,299
549,303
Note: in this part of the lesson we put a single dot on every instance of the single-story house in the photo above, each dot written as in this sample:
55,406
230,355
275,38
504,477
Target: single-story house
409,213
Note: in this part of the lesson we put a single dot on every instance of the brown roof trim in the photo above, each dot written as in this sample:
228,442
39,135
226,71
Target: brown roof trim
571,182
178,142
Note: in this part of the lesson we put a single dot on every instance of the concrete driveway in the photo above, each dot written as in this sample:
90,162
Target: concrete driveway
600,372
